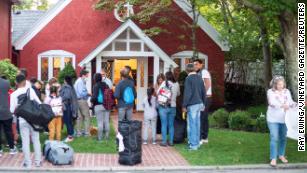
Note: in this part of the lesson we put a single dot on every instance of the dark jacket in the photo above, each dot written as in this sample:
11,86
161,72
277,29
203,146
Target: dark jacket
69,98
98,86
119,91
37,92
194,91
5,113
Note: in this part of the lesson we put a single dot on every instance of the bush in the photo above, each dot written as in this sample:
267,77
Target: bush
67,71
239,120
220,117
8,70
261,124
255,111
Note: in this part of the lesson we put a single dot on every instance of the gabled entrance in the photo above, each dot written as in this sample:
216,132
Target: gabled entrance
128,45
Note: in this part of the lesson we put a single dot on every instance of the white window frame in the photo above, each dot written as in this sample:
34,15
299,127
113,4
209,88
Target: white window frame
188,55
50,55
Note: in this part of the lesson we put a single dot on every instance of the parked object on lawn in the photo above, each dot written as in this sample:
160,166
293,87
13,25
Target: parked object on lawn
131,132
58,153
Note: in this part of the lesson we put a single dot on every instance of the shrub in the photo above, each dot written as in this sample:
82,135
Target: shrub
67,71
220,117
261,124
8,70
239,120
255,111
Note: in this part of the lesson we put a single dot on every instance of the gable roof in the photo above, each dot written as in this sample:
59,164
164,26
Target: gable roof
139,32
50,14
40,24
23,20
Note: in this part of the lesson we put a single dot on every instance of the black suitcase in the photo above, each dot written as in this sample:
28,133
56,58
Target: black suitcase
132,138
180,130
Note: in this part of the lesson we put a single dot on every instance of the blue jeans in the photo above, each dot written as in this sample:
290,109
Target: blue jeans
278,139
167,116
68,120
194,125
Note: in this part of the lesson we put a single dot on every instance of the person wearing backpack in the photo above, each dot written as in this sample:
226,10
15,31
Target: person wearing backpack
167,94
194,101
55,101
102,114
26,130
125,94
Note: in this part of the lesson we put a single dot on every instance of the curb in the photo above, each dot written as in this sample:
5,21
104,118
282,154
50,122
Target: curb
166,169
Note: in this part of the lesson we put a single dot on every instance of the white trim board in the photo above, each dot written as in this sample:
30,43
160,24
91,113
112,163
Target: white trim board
204,25
40,24
138,31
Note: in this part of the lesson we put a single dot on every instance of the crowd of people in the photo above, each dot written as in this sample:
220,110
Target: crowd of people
69,103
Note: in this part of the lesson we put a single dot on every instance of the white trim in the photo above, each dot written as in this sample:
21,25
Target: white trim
204,25
187,55
126,54
50,55
40,24
129,24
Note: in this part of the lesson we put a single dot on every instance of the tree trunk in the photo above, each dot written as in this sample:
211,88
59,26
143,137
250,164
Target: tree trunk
267,58
288,43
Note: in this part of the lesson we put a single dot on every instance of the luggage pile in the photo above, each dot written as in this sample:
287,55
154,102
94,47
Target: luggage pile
58,153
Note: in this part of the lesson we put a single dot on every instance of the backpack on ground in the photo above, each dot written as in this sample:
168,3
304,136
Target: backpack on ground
128,95
58,153
131,132
164,96
109,100
180,130
100,96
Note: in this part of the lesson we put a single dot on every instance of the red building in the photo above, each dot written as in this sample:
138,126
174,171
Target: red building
72,31
5,28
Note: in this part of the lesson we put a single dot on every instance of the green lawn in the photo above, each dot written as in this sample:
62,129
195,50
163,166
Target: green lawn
90,144
228,147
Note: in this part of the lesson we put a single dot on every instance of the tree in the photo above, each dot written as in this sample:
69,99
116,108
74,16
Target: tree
67,71
33,4
8,70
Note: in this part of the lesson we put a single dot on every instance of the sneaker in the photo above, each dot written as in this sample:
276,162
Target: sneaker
69,139
145,143
13,151
206,141
171,144
1,153
39,164
154,143
78,134
26,165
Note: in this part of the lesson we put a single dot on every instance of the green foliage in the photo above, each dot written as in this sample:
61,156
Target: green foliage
8,70
220,117
255,111
239,120
67,71
261,124
33,4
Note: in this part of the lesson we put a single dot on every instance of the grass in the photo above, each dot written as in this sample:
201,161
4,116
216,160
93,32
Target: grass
90,144
228,147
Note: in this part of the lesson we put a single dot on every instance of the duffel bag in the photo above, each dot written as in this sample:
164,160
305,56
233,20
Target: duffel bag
58,153
131,132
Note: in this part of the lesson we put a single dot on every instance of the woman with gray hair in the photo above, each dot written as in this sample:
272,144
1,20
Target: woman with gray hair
279,101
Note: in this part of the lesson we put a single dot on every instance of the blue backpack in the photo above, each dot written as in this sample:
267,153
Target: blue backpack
100,97
128,95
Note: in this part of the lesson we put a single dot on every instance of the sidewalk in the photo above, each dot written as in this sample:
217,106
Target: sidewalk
153,156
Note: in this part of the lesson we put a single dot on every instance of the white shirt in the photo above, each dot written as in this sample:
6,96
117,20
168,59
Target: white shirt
206,75
275,113
108,82
150,111
16,94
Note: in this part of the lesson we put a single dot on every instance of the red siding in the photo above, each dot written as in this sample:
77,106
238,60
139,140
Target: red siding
79,29
5,29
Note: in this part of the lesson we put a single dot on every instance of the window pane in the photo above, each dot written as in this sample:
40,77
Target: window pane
132,35
123,35
108,48
56,66
146,48
44,69
135,46
121,46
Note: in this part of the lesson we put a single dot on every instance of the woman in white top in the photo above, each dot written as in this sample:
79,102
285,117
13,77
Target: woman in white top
167,111
279,101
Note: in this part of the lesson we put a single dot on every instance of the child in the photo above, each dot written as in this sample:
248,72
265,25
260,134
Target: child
26,130
55,101
150,115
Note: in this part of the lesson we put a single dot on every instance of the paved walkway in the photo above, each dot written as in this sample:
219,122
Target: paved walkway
153,156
